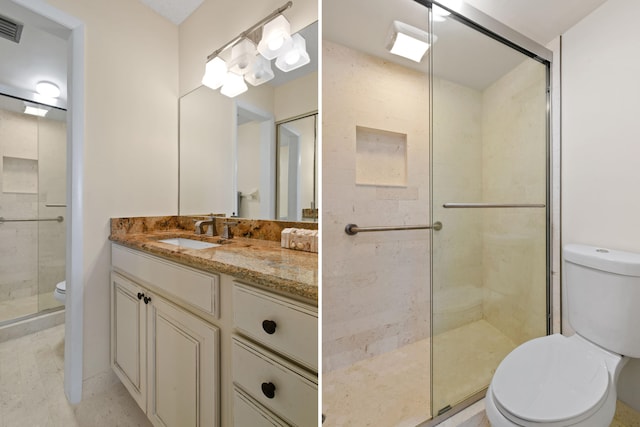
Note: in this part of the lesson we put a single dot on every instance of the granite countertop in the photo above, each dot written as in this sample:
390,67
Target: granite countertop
257,261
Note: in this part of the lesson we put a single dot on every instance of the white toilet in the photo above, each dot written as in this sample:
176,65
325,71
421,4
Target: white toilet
60,293
559,381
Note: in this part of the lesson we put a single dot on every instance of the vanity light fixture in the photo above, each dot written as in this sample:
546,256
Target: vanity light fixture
234,85
409,42
295,54
252,62
260,71
48,89
242,54
215,73
274,36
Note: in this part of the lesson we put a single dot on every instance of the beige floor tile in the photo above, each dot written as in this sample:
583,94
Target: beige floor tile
31,389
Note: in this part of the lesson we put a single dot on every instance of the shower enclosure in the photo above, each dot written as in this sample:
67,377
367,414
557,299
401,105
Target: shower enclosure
32,209
443,165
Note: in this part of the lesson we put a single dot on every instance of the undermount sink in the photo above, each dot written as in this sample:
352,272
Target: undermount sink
188,243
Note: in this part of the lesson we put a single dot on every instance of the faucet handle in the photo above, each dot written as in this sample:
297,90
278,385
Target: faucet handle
227,233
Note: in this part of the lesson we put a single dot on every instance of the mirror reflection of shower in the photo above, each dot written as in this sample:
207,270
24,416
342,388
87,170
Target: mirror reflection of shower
32,208
297,169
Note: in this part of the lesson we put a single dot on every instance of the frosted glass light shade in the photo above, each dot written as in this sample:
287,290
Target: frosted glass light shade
215,73
234,85
275,34
409,42
48,89
294,55
242,55
260,71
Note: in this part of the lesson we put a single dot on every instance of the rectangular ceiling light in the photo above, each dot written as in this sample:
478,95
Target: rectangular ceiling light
35,111
407,41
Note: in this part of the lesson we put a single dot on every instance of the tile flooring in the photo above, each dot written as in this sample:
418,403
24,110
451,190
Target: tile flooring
31,389
393,389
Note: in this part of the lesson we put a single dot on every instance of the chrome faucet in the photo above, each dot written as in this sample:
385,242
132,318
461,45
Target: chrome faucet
226,232
211,226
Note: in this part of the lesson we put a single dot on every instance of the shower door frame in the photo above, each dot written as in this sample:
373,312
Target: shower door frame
496,30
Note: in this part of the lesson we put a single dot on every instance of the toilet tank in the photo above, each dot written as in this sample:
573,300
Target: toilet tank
603,296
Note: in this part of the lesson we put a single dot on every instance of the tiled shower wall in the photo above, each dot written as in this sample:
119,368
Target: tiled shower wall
32,174
375,285
490,264
514,244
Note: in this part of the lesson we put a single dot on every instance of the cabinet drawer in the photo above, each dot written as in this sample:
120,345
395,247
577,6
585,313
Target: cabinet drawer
291,328
197,289
289,392
247,412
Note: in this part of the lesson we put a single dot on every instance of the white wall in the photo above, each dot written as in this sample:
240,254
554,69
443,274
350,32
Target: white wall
130,166
600,139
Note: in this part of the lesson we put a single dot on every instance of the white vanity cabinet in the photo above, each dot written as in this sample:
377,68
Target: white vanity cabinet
275,359
166,357
197,348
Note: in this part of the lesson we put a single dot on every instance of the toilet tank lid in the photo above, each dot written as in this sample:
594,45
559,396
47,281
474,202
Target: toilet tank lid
610,260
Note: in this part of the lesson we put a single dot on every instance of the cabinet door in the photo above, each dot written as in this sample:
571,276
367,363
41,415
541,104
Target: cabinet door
128,343
183,367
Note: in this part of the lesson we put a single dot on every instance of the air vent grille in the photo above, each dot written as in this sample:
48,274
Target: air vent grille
10,30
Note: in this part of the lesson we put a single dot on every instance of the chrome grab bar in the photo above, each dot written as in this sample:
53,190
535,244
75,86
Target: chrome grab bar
59,219
353,229
493,205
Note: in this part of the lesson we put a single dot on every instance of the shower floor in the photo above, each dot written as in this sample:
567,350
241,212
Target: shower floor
393,389
20,307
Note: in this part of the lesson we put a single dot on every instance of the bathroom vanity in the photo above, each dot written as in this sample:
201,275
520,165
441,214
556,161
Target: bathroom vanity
218,336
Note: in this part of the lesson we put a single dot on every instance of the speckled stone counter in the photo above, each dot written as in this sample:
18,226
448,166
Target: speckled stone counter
260,261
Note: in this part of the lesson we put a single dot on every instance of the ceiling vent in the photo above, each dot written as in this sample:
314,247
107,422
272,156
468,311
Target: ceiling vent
9,29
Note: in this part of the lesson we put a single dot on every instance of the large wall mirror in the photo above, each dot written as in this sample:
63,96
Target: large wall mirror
232,158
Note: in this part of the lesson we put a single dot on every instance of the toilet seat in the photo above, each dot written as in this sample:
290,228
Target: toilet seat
551,380
60,292
61,287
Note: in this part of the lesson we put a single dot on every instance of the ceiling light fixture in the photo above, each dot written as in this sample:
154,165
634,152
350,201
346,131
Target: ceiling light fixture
48,89
35,111
409,42
252,62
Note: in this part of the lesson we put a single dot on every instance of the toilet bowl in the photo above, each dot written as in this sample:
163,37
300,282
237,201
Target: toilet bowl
60,292
555,381
559,381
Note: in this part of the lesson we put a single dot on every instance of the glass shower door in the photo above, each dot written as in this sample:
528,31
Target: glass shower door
489,191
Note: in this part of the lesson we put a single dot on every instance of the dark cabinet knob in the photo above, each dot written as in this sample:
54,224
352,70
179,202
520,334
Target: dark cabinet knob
140,295
269,390
147,300
269,326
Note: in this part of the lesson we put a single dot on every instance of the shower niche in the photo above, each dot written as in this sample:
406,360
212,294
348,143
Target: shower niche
19,175
381,157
